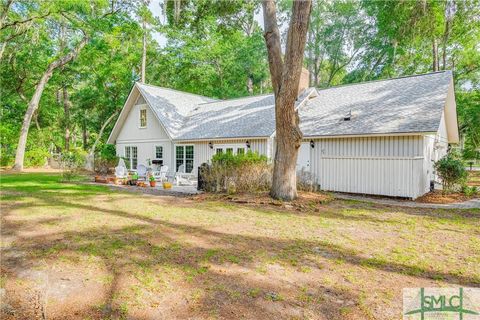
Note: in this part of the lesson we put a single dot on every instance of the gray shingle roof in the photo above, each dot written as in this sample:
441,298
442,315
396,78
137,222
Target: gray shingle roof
171,106
401,105
245,117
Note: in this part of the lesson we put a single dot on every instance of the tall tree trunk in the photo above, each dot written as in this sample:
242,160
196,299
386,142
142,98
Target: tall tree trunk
66,110
285,77
434,55
144,50
33,104
250,85
84,134
89,165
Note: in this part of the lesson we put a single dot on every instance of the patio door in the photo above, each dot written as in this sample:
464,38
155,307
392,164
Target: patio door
131,155
184,155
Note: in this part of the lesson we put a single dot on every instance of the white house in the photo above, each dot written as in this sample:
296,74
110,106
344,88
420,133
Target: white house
378,137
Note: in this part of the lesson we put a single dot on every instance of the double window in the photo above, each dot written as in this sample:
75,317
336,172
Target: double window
184,155
131,155
143,118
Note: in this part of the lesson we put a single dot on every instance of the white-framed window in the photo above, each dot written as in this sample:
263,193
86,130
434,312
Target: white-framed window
232,149
143,117
184,155
159,152
131,155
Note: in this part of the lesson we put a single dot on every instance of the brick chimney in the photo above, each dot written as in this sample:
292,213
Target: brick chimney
304,81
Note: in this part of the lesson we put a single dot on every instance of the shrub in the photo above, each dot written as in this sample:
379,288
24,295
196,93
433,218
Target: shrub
306,181
71,162
451,171
230,173
469,191
37,157
106,158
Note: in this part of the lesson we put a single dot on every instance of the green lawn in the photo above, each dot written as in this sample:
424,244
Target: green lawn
77,251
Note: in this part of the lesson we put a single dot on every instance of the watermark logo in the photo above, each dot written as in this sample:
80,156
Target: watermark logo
441,303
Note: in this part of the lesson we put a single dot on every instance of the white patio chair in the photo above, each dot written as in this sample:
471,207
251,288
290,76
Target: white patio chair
162,174
142,172
181,177
121,172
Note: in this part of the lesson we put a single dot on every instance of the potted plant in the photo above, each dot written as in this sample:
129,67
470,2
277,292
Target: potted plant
152,181
134,178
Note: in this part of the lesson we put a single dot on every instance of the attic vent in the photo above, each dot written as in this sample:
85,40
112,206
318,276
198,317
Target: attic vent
348,116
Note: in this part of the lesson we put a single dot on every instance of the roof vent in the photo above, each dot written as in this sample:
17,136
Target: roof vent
348,116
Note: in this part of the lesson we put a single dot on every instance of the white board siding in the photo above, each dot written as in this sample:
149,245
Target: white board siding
146,150
391,166
145,139
131,130
435,148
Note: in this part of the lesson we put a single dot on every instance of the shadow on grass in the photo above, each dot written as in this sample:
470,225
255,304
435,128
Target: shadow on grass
131,246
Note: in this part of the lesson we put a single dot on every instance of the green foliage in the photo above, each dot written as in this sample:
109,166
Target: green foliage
469,191
451,171
230,173
108,152
36,157
72,162
228,159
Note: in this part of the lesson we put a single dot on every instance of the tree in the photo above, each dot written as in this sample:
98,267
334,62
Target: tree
285,74
35,100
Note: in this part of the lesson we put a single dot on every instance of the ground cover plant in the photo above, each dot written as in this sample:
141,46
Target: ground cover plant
80,251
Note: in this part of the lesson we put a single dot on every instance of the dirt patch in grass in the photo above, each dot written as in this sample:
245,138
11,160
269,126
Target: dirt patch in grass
443,198
306,201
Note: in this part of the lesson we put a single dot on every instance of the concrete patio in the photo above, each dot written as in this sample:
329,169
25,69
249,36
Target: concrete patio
158,189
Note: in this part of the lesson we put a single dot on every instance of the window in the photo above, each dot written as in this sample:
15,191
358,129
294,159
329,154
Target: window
143,118
184,155
131,156
158,152
230,150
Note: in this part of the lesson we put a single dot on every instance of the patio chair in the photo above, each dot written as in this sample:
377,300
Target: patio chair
142,172
181,177
162,174
121,172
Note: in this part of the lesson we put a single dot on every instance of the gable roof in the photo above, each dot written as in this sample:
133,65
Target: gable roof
413,104
172,107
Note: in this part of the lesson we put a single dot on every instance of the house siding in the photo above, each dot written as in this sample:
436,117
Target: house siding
391,166
435,147
145,139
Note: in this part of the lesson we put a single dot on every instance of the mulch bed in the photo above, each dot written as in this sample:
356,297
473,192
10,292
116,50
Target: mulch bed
306,201
439,197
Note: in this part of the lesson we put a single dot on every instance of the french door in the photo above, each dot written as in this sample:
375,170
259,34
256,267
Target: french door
184,155
131,155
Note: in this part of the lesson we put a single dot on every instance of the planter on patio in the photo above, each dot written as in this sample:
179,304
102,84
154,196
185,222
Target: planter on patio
167,185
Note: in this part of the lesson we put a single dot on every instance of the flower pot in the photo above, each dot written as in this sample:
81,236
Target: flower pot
153,183
167,185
